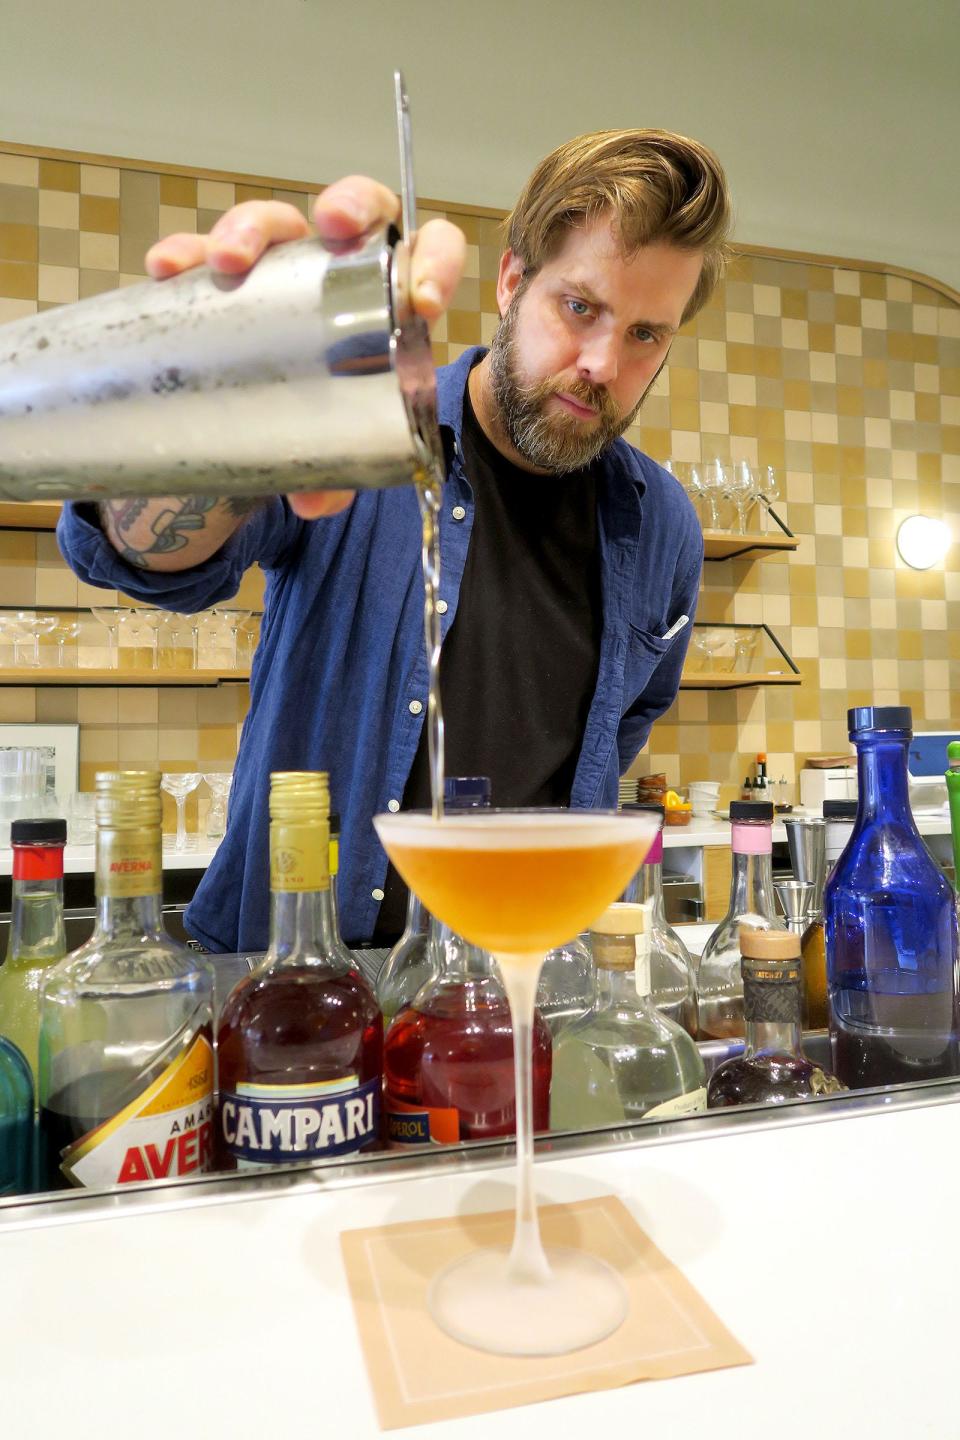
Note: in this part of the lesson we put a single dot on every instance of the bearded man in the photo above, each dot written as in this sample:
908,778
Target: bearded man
570,561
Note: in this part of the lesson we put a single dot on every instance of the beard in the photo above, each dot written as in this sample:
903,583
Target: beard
555,442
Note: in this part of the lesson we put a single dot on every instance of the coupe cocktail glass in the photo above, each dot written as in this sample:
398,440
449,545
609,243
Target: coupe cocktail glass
518,883
110,617
180,786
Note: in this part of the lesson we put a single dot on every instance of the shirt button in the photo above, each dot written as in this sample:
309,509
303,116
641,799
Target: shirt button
458,512
415,707
393,806
441,607
377,894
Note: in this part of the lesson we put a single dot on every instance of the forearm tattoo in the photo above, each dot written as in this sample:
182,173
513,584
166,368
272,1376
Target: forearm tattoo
171,528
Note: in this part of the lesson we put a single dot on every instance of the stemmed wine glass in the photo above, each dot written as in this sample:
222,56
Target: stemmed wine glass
110,617
518,883
67,628
29,626
233,618
180,786
218,784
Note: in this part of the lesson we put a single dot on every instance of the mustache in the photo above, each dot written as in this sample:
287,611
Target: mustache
596,397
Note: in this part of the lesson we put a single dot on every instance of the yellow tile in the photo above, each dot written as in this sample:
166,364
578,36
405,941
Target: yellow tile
684,383
59,175
244,192
17,704
182,190
856,583
796,395
217,742
18,242
18,281
875,374
684,414
100,213
858,645
822,336
794,304
463,327
873,286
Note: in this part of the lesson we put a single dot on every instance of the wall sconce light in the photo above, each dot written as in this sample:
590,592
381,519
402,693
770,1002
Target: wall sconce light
923,542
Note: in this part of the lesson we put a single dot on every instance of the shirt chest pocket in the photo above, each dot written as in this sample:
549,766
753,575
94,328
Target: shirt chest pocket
645,650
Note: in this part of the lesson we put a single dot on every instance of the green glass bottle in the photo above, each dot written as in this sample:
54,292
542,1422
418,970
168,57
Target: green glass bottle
36,929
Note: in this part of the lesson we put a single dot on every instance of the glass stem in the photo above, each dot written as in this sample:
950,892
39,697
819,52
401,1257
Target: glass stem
528,1263
181,841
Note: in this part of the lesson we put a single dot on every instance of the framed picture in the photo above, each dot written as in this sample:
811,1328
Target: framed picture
61,748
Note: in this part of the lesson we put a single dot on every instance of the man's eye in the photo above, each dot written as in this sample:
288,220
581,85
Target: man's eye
646,337
579,307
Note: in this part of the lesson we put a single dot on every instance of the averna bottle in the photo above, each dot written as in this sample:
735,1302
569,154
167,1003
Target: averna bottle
16,1122
891,925
126,1020
719,982
36,930
415,959
674,986
624,1059
300,1039
773,1068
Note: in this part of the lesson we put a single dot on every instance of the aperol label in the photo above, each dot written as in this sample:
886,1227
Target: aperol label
166,1132
420,1124
276,1124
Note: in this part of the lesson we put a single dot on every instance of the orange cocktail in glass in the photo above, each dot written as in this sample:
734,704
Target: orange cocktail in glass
518,883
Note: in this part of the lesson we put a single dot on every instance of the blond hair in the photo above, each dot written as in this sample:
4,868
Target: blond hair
660,187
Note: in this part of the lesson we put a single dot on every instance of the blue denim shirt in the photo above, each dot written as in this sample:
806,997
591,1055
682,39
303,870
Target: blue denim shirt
339,680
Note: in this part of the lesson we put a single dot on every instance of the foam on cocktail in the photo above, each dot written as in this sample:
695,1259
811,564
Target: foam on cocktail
514,830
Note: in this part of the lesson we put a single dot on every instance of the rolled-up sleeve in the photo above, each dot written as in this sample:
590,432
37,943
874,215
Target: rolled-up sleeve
265,537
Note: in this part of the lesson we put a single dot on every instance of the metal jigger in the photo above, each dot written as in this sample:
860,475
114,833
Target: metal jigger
807,839
795,898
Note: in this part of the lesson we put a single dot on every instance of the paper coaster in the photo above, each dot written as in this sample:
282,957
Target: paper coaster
419,1375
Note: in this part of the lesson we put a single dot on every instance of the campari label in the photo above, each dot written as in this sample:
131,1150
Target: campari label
420,1124
165,1133
274,1124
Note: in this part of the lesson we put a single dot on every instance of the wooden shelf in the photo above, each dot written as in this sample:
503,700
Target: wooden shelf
29,514
732,679
724,545
78,675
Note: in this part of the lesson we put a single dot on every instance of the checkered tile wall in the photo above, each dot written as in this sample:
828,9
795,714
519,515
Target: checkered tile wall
845,379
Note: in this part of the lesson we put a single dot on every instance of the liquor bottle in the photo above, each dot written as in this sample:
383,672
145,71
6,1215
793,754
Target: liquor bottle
300,1038
333,854
719,984
126,1020
674,986
415,958
891,925
448,1056
36,929
624,1059
761,787
773,1068
839,816
567,985
16,1121
746,791
952,778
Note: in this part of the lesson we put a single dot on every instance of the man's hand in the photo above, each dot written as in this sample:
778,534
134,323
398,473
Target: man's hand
345,209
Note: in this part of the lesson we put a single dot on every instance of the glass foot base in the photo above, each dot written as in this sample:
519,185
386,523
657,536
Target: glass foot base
477,1302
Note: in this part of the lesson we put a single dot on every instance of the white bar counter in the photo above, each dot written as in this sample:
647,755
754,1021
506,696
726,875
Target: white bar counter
825,1241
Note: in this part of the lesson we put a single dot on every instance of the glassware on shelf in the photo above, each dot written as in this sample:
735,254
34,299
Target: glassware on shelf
174,642
232,618
110,617
891,925
773,1069
517,883
745,644
218,783
624,1059
180,786
26,628
752,904
67,628
137,639
567,986
248,636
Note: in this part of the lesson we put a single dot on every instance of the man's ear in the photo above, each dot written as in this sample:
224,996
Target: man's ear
508,279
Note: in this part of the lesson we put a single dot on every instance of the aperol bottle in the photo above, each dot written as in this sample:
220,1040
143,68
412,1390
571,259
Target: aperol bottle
300,1040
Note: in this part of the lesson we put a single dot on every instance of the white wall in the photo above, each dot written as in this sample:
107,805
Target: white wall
838,120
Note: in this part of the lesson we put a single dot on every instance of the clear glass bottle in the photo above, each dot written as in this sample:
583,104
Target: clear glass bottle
416,959
773,1068
891,925
126,1020
719,982
671,968
300,1039
567,986
338,945
839,816
36,930
16,1122
624,1059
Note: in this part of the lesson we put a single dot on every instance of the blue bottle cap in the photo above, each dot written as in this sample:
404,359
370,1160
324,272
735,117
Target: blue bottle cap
466,792
880,717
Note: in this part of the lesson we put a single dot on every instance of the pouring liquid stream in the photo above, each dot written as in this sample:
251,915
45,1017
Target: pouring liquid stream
429,487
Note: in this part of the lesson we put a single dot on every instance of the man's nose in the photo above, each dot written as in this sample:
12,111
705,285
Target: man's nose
599,359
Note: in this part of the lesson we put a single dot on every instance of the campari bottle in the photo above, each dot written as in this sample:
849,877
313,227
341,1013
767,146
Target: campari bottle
300,1039
126,1059
719,982
891,925
36,929
448,1057
623,1059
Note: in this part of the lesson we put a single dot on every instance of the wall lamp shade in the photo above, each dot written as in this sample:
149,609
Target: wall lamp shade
922,542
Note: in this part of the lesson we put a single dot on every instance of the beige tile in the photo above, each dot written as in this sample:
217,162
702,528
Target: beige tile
97,705
56,706
215,194
136,706
59,283
99,252
17,703
59,209
16,309
19,170
138,745
98,746
100,180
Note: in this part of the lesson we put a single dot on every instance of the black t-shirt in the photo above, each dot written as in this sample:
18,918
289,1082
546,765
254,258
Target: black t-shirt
518,667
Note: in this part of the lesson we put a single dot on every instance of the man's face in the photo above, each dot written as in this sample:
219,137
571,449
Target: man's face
581,341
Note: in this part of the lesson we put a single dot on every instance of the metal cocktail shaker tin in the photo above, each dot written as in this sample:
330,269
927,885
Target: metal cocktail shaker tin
310,372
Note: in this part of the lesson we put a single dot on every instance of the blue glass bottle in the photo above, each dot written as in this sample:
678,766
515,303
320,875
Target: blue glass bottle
16,1121
891,926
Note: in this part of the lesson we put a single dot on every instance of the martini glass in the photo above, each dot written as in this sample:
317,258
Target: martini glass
180,786
518,883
